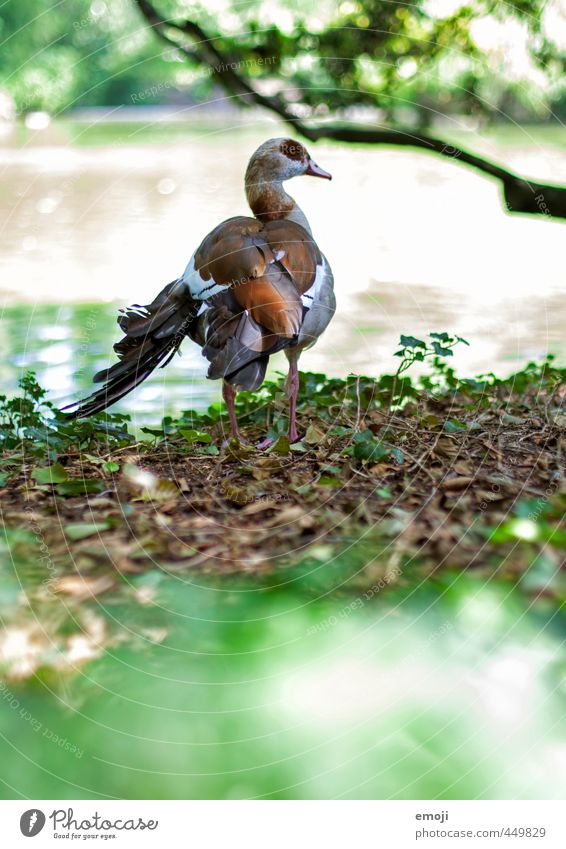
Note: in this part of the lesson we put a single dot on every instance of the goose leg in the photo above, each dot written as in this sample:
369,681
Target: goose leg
292,389
229,395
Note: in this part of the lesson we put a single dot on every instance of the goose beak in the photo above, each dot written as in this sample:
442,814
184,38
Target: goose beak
315,170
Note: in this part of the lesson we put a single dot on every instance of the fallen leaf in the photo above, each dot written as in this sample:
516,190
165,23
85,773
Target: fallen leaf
314,435
82,530
456,484
50,474
381,469
260,506
82,586
507,418
80,487
280,446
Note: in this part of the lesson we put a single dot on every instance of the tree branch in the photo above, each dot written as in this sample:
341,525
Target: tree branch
520,195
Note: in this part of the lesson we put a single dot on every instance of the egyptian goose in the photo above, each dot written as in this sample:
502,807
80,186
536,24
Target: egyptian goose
253,287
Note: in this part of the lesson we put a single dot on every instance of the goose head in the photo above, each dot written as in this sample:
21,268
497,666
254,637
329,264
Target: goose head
280,159
275,161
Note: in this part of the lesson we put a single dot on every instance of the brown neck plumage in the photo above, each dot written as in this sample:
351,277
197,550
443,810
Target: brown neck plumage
268,200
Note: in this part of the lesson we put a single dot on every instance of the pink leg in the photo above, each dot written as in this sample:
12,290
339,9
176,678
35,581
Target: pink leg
292,387
229,395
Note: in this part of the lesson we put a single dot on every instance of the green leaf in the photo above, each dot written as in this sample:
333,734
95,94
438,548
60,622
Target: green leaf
366,447
328,480
442,352
411,342
332,470
196,436
454,426
507,418
153,431
212,450
398,456
11,460
302,489
92,458
111,466
50,474
280,446
431,421
80,487
3,478
81,530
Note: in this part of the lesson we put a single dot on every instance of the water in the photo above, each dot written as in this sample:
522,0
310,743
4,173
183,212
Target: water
98,216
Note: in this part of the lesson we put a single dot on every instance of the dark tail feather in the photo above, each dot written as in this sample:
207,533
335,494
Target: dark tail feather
153,334
249,377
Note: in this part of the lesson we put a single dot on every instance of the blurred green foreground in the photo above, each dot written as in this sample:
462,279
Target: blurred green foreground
225,690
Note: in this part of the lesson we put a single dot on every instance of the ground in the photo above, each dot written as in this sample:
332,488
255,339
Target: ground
188,617
392,480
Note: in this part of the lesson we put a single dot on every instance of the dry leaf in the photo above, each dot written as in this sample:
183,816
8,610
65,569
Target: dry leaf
456,484
82,587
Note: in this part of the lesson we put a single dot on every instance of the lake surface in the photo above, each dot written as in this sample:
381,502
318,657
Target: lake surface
98,215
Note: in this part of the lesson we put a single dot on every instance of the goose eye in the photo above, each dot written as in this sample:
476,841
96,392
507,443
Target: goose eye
293,150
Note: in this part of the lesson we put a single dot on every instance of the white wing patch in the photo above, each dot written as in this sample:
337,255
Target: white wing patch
201,290
312,294
198,288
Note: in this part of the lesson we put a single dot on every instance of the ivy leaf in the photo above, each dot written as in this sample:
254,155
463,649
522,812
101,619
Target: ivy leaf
453,426
280,446
196,436
398,456
329,480
440,351
366,447
82,530
50,474
80,487
212,450
411,342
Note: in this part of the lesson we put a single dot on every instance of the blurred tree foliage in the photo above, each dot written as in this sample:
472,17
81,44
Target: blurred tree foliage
77,53
410,61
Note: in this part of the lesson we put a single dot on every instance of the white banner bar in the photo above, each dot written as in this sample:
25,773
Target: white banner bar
284,824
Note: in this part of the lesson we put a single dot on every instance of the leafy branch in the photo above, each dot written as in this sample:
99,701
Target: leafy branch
415,350
196,45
